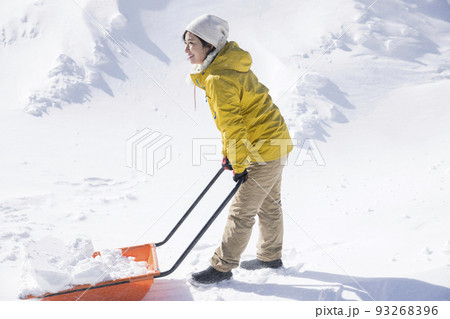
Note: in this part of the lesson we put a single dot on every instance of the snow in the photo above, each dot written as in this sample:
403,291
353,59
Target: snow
51,265
363,86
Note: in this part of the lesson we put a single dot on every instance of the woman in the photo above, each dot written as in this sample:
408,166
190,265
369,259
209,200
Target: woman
256,143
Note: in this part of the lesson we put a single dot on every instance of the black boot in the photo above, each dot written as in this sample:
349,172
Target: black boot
211,276
259,264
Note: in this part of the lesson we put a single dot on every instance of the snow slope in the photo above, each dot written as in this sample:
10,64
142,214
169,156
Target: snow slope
362,85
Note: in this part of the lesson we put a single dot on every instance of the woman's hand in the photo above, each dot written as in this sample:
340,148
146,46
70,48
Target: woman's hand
241,176
226,164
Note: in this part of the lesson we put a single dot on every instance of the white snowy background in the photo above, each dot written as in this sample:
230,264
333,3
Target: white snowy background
365,83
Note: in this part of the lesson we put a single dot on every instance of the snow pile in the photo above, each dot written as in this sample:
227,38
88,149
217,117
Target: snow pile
397,29
73,55
313,102
52,266
67,84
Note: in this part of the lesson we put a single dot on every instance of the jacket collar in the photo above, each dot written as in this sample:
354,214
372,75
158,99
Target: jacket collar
198,68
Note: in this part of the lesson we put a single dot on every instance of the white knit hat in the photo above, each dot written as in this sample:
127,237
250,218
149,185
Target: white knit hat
212,29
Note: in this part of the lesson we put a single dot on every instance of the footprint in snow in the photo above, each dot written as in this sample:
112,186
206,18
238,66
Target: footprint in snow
98,182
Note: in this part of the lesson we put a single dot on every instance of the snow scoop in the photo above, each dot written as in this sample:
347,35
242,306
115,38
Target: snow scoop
135,288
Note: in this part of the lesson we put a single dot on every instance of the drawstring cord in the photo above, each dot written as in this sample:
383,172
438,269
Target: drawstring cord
195,100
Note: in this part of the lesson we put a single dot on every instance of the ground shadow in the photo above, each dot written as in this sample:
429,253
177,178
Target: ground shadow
135,31
334,287
169,290
329,287
385,289
436,9
293,292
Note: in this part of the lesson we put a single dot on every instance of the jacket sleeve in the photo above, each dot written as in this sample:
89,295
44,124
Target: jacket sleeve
224,98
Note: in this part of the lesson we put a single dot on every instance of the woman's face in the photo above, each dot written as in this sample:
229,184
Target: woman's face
194,48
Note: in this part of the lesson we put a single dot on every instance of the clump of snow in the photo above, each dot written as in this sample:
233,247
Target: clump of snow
119,21
67,84
51,265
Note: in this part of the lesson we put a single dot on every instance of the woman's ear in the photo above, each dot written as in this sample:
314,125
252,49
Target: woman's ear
211,48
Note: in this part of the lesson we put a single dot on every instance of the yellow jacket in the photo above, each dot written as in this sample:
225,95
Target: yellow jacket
252,127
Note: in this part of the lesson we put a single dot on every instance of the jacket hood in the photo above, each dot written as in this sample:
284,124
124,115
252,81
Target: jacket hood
232,57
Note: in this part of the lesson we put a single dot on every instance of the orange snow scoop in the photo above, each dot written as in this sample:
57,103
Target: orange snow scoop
126,289
135,288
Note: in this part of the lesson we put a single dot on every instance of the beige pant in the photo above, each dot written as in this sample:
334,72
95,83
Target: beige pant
259,195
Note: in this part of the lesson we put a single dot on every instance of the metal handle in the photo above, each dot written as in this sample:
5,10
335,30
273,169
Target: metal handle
202,231
191,208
